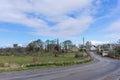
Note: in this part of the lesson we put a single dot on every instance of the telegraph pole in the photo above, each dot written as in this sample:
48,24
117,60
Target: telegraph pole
58,44
83,43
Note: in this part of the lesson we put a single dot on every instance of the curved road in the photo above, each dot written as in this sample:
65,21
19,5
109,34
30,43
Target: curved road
100,69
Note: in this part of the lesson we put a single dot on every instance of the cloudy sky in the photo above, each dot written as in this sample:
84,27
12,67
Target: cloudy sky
24,20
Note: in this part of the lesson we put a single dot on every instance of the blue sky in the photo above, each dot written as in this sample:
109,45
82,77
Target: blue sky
22,21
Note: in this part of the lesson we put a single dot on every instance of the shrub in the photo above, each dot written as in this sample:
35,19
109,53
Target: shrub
78,55
117,51
59,64
1,64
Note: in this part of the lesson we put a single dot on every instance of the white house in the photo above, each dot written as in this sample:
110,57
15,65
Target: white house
93,48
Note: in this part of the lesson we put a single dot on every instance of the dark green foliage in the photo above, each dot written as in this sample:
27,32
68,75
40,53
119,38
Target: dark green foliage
67,45
78,55
1,64
117,51
38,47
13,51
35,46
59,64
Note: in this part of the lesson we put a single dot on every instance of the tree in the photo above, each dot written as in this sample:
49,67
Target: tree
35,46
117,49
115,52
53,46
67,45
118,42
88,45
81,46
47,47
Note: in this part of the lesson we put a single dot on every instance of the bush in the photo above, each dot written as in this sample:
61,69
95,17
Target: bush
78,55
117,51
2,65
60,64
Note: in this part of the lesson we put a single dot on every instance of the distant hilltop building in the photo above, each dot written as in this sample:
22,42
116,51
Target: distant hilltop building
15,45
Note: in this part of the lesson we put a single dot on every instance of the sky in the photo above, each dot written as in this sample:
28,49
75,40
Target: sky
22,21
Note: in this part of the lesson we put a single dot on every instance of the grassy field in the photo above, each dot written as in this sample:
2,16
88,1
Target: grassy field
10,63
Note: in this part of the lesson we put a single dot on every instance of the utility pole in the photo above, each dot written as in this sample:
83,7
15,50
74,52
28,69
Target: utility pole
58,45
83,44
83,41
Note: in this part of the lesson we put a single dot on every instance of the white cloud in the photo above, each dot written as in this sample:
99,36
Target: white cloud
39,14
114,26
20,45
59,7
113,35
114,29
95,42
109,11
69,27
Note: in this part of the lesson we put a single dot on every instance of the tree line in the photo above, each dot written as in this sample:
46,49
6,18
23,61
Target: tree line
38,47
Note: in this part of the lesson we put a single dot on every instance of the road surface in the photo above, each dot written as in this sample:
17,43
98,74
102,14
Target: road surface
101,69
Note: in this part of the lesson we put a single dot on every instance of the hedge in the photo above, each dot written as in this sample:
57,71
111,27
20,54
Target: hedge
59,64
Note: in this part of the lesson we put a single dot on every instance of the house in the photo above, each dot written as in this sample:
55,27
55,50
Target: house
93,48
105,49
74,49
15,45
105,53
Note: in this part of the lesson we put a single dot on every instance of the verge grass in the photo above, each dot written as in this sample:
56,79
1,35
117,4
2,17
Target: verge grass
46,60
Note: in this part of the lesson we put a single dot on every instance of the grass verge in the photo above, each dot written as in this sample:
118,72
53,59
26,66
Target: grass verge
18,63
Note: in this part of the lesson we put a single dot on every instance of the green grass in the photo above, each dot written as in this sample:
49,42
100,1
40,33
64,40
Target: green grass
15,59
42,59
47,60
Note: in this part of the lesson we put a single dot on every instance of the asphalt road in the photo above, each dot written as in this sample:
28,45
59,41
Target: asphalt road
101,69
